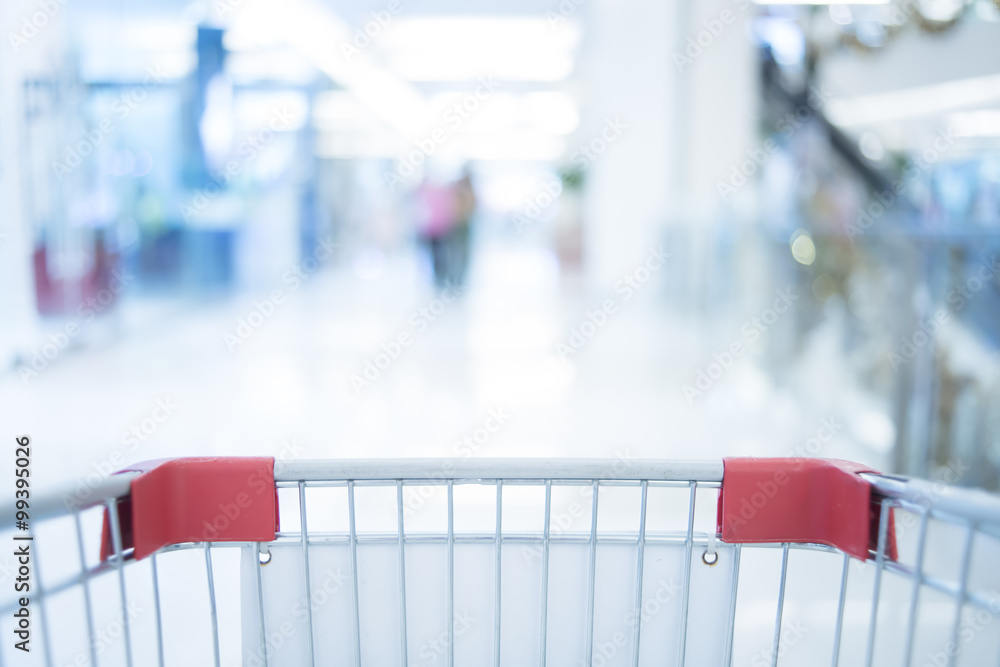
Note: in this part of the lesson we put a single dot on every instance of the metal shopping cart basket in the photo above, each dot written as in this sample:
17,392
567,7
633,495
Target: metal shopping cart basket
254,562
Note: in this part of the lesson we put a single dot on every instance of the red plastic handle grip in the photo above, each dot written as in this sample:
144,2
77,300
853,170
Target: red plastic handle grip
172,501
799,500
234,499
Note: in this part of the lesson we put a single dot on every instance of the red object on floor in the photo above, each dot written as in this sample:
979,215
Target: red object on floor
801,500
211,499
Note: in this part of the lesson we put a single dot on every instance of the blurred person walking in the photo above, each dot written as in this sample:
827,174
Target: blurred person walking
464,207
435,217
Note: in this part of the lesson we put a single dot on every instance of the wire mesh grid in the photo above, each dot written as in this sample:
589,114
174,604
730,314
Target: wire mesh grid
685,598
965,524
451,540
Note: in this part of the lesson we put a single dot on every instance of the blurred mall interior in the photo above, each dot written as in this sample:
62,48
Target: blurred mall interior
632,228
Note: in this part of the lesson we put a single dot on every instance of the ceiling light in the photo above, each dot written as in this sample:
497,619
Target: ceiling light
317,33
841,14
821,2
984,123
871,147
913,102
508,49
803,248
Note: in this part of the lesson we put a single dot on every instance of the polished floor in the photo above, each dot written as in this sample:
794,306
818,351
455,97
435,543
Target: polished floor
364,358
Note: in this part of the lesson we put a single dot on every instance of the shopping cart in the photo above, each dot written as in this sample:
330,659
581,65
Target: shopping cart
254,562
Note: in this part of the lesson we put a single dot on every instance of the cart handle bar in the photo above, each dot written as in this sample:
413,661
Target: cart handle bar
761,500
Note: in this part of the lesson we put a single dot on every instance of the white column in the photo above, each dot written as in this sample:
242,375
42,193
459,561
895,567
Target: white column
686,123
17,288
32,40
627,77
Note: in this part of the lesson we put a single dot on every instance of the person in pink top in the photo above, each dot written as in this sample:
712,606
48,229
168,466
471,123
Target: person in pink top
435,217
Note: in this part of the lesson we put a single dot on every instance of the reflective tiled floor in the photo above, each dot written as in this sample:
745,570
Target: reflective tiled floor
365,359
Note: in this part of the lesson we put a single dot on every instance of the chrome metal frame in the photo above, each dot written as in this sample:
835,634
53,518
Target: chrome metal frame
974,510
